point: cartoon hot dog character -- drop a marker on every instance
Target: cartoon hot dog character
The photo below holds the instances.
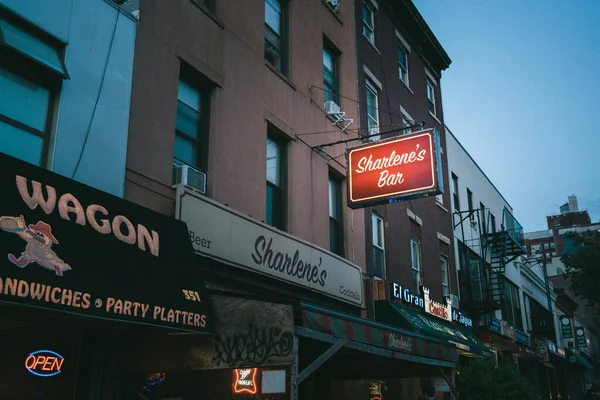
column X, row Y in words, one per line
column 39, row 240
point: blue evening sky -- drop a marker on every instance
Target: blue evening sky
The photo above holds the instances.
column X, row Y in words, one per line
column 523, row 97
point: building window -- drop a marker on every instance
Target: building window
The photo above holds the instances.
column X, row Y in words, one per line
column 511, row 305
column 191, row 127
column 445, row 276
column 378, row 246
column 276, row 196
column 31, row 72
column 336, row 226
column 527, row 303
column 455, row 193
column 431, row 96
column 483, row 218
column 552, row 245
column 493, row 223
column 407, row 121
column 403, row 63
column 548, row 258
column 470, row 204
column 331, row 74
column 415, row 257
column 368, row 19
column 276, row 39
column 372, row 111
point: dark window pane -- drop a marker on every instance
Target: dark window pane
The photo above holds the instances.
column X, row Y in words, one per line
column 185, row 150
column 20, row 144
column 330, row 78
column 187, row 120
column 273, row 48
column 274, row 206
column 23, row 101
column 378, row 262
column 335, row 237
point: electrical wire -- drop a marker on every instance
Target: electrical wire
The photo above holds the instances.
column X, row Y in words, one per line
column 357, row 101
column 87, row 134
column 353, row 130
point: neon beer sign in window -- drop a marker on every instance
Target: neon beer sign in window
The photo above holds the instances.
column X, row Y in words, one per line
column 245, row 380
column 44, row 363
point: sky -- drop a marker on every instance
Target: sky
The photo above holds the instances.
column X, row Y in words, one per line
column 522, row 95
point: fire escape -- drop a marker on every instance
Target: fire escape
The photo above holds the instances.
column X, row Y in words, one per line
column 484, row 253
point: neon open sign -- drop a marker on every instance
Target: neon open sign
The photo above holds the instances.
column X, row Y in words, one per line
column 44, row 363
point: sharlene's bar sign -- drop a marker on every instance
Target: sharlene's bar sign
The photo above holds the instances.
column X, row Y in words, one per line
column 390, row 170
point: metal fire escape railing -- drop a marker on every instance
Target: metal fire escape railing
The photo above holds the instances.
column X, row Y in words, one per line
column 484, row 257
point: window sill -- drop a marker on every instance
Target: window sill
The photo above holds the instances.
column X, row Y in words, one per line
column 406, row 84
column 434, row 117
column 372, row 44
column 440, row 205
column 210, row 13
column 335, row 14
column 282, row 76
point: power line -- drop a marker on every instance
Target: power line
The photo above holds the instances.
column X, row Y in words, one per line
column 420, row 124
column 356, row 101
column 87, row 133
column 353, row 130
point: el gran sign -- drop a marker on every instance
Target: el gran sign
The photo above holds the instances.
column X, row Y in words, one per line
column 404, row 167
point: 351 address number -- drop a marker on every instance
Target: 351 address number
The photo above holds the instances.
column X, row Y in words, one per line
column 191, row 295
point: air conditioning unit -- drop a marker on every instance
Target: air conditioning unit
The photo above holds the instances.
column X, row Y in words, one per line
column 454, row 300
column 190, row 177
column 332, row 108
column 334, row 4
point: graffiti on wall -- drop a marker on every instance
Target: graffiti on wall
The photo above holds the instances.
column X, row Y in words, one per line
column 248, row 333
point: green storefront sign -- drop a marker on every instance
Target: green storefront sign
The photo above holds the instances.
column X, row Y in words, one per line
column 565, row 327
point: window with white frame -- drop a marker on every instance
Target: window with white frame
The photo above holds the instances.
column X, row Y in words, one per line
column 431, row 96
column 372, row 110
column 403, row 63
column 445, row 275
column 407, row 121
column 378, row 246
column 368, row 21
column 276, row 37
column 415, row 256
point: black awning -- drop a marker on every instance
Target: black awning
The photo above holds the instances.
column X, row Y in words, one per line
column 69, row 247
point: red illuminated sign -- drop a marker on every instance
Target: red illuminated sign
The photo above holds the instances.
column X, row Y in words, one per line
column 244, row 380
column 402, row 167
column 375, row 390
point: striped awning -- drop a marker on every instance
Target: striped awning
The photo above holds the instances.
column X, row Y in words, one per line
column 369, row 336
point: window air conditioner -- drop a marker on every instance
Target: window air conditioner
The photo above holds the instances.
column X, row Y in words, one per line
column 332, row 108
column 334, row 4
column 454, row 300
column 190, row 177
